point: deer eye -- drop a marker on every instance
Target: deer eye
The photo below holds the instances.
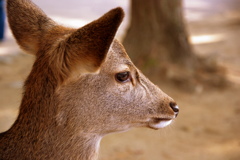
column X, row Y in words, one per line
column 123, row 76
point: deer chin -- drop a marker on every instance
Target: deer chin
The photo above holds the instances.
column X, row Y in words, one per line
column 158, row 123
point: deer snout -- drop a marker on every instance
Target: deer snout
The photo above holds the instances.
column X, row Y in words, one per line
column 175, row 108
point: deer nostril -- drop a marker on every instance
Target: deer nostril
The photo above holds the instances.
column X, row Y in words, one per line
column 174, row 107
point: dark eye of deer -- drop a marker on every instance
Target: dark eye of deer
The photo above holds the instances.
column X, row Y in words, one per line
column 123, row 77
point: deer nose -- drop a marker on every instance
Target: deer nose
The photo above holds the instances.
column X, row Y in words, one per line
column 175, row 108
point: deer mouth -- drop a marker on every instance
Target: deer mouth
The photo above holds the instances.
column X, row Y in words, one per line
column 157, row 123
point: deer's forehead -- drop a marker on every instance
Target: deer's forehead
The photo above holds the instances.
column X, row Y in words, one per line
column 117, row 57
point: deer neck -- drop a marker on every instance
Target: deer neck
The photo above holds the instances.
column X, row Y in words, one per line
column 52, row 140
column 55, row 144
column 39, row 126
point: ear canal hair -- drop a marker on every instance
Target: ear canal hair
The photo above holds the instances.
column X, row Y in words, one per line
column 28, row 23
column 88, row 46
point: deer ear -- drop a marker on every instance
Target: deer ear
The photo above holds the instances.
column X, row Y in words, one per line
column 88, row 46
column 28, row 23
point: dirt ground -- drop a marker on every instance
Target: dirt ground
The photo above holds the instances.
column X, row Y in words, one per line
column 207, row 127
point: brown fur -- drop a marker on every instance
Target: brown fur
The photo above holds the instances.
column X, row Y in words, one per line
column 71, row 98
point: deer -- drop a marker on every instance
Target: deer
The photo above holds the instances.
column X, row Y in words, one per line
column 82, row 87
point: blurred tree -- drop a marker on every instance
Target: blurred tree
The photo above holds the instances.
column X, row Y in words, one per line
column 157, row 42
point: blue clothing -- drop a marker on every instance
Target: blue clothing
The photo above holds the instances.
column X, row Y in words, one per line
column 2, row 20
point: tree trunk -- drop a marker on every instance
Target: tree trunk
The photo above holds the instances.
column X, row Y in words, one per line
column 157, row 34
column 157, row 42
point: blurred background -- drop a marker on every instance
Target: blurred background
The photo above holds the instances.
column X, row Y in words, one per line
column 190, row 48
